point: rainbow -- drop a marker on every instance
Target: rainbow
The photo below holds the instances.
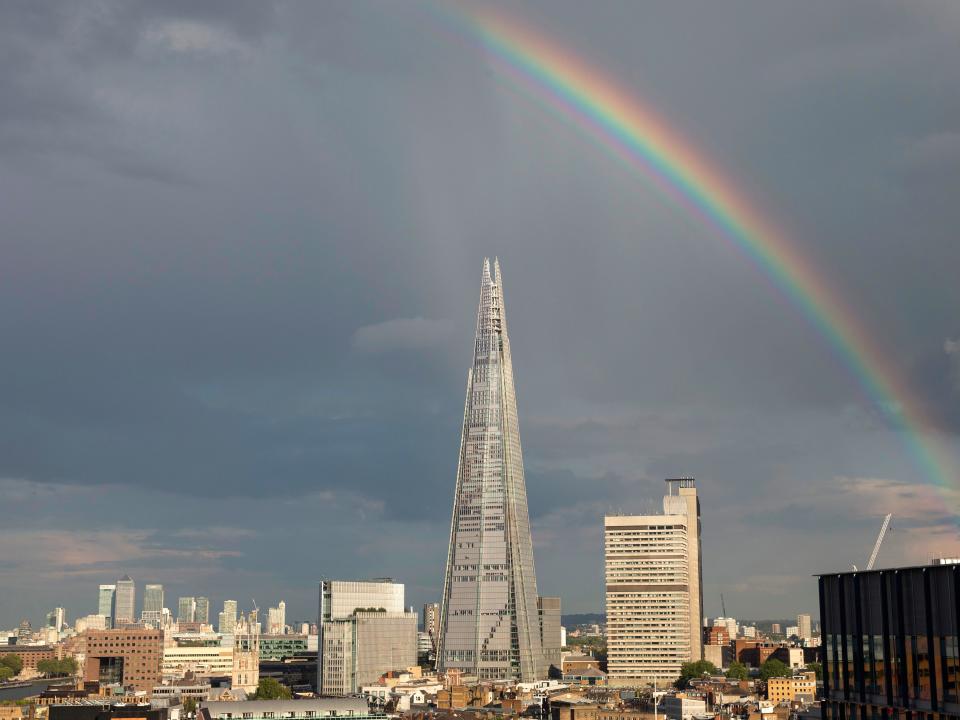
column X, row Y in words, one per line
column 644, row 142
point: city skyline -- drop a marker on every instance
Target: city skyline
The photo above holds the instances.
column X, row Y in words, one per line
column 231, row 297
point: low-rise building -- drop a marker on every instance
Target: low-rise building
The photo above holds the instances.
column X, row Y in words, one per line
column 203, row 660
column 306, row 709
column 799, row 688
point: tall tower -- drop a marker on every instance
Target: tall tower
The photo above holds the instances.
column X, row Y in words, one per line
column 489, row 621
column 125, row 602
column 654, row 589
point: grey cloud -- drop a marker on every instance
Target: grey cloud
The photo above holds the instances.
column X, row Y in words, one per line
column 242, row 245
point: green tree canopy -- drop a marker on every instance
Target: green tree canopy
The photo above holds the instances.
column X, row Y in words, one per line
column 12, row 661
column 66, row 666
column 190, row 705
column 270, row 689
column 691, row 670
column 817, row 668
column 773, row 668
column 5, row 673
column 737, row 671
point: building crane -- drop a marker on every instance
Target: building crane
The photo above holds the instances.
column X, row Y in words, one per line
column 723, row 605
column 876, row 546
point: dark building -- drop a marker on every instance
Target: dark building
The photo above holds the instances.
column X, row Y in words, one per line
column 100, row 711
column 890, row 644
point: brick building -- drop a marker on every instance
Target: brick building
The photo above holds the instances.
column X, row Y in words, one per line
column 127, row 657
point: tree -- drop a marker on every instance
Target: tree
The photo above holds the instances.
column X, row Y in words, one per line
column 737, row 671
column 189, row 705
column 817, row 668
column 270, row 689
column 5, row 673
column 773, row 668
column 691, row 670
column 12, row 661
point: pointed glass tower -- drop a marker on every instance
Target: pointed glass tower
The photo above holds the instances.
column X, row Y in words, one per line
column 489, row 618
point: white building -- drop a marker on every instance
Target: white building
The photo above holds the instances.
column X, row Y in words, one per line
column 203, row 661
column 364, row 632
column 804, row 627
column 653, row 590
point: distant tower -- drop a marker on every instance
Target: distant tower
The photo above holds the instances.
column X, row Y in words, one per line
column 152, row 605
column 186, row 609
column 105, row 603
column 228, row 618
column 489, row 615
column 202, row 614
column 125, row 604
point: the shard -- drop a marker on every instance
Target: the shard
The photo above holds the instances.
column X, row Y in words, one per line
column 490, row 623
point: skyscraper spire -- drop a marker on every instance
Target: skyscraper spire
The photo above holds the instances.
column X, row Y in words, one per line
column 489, row 616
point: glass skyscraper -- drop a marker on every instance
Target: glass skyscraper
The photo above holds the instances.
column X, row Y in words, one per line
column 125, row 602
column 489, row 616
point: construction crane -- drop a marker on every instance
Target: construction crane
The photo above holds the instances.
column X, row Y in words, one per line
column 723, row 605
column 876, row 546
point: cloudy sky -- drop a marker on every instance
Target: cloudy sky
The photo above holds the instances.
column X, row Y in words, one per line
column 241, row 254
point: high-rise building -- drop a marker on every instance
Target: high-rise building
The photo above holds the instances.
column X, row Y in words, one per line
column 227, row 621
column 57, row 618
column 364, row 632
column 186, row 610
column 202, row 614
column 125, row 604
column 277, row 619
column 152, row 613
column 890, row 647
column 653, row 585
column 431, row 622
column 105, row 602
column 804, row 627
column 489, row 618
column 775, row 629
column 550, row 630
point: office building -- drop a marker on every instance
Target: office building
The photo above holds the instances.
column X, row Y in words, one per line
column 227, row 621
column 277, row 619
column 804, row 627
column 202, row 611
column 550, row 641
column 364, row 632
column 431, row 622
column 186, row 610
column 890, row 643
column 152, row 613
column 278, row 647
column 775, row 629
column 202, row 661
column 489, row 618
column 105, row 603
column 653, row 590
column 57, row 619
column 130, row 658
column 125, row 603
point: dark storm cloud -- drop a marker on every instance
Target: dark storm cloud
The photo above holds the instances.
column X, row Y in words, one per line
column 242, row 246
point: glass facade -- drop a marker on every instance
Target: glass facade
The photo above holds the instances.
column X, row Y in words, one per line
column 890, row 643
column 489, row 617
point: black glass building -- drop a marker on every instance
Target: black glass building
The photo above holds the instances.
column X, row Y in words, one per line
column 890, row 643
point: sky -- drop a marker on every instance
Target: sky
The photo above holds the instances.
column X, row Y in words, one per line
column 242, row 245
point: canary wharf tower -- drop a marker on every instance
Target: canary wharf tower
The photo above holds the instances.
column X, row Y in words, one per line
column 490, row 621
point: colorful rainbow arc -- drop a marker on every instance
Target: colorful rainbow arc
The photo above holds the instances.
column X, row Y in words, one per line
column 646, row 144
